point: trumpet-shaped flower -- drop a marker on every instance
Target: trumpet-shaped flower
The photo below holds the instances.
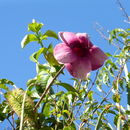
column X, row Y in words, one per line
column 78, row 54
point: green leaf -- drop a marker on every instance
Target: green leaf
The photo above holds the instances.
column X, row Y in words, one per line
column 2, row 114
column 50, row 33
column 127, row 41
column 31, row 82
column 34, row 94
column 35, row 26
column 128, row 29
column 48, row 53
column 117, row 32
column 50, row 48
column 51, row 59
column 127, row 48
column 6, row 81
column 127, row 112
column 3, row 83
column 116, row 98
column 2, row 117
column 41, row 83
column 126, row 126
column 90, row 95
column 112, row 112
column 4, row 87
column 72, row 127
column 46, row 128
column 15, row 100
column 34, row 57
column 99, row 122
column 49, row 80
column 116, row 119
column 42, row 69
column 46, row 110
column 109, row 55
column 27, row 39
column 67, row 87
column 66, row 111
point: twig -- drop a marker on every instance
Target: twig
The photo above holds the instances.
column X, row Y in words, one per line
column 88, row 92
column 11, row 123
column 92, row 84
column 13, row 120
column 47, row 88
column 105, row 37
column 100, row 32
column 104, row 99
column 116, row 78
column 123, row 10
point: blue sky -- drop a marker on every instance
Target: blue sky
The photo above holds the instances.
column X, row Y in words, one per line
column 57, row 15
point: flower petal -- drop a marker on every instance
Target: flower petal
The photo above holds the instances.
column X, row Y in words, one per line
column 69, row 38
column 80, row 68
column 84, row 39
column 97, row 57
column 64, row 54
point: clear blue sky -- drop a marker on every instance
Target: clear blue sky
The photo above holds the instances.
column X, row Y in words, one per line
column 57, row 15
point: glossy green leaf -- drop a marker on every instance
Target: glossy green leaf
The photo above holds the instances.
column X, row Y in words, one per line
column 50, row 48
column 6, row 81
column 126, row 125
column 70, row 127
column 34, row 57
column 46, row 110
column 90, row 95
column 116, row 119
column 116, row 98
column 67, row 87
column 115, row 33
column 2, row 114
column 49, row 33
column 27, row 39
column 31, row 82
column 66, row 111
column 48, row 53
column 42, row 69
column 4, row 87
column 46, row 128
column 51, row 59
column 112, row 112
column 127, row 112
column 41, row 82
column 127, row 48
column 34, row 94
column 3, row 83
column 35, row 26
column 108, row 54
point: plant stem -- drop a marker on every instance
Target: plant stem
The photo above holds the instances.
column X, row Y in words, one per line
column 47, row 88
column 11, row 124
column 93, row 83
column 128, row 89
column 22, row 112
column 39, row 40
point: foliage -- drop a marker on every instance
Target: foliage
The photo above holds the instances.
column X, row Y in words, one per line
column 87, row 104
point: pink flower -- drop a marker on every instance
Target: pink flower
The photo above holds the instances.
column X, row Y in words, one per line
column 78, row 54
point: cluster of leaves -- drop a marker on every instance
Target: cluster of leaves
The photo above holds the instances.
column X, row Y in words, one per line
column 45, row 105
column 115, row 76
